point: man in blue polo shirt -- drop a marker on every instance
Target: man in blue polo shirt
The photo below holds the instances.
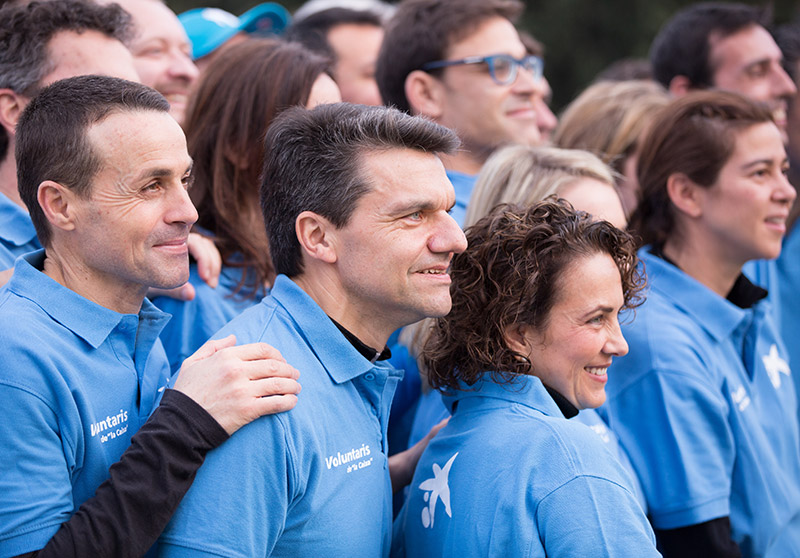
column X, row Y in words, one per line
column 356, row 203
column 103, row 169
column 462, row 64
column 41, row 42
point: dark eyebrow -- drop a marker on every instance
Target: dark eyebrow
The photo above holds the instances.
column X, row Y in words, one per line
column 757, row 162
column 411, row 207
column 161, row 172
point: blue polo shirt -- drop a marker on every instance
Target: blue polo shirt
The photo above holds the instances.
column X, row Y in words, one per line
column 463, row 185
column 705, row 404
column 314, row 480
column 510, row 476
column 77, row 380
column 17, row 235
column 431, row 410
column 195, row 321
column 788, row 282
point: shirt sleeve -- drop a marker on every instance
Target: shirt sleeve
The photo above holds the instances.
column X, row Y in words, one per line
column 238, row 504
column 594, row 516
column 131, row 508
column 674, row 426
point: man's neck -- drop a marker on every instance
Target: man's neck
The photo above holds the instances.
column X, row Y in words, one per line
column 369, row 329
column 79, row 278
column 8, row 179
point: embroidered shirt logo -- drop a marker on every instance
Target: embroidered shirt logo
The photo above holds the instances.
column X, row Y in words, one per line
column 601, row 430
column 775, row 366
column 435, row 489
column 740, row 398
column 110, row 427
column 352, row 457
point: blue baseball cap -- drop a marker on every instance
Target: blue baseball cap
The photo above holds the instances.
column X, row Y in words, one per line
column 209, row 28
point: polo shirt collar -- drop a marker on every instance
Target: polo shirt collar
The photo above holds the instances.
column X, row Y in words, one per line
column 524, row 390
column 337, row 355
column 717, row 315
column 16, row 226
column 88, row 320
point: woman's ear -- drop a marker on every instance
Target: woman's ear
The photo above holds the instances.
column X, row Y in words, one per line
column 517, row 338
column 686, row 195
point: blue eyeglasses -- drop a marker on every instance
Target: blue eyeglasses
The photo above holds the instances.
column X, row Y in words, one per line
column 503, row 68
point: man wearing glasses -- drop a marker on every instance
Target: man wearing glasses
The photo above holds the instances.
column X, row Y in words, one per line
column 462, row 64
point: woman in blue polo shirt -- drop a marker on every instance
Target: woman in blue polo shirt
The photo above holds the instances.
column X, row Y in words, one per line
column 532, row 331
column 705, row 401
column 241, row 92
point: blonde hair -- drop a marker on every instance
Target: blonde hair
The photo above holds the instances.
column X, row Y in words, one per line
column 609, row 117
column 525, row 175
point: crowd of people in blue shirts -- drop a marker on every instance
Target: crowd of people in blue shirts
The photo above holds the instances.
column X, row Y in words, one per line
column 516, row 334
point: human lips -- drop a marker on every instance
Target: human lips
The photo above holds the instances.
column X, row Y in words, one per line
column 176, row 245
column 527, row 112
column 435, row 272
column 777, row 222
column 598, row 372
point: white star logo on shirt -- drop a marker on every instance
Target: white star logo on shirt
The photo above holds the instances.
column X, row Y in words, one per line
column 437, row 488
column 775, row 366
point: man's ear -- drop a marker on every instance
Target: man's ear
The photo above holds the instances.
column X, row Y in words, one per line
column 516, row 338
column 11, row 106
column 58, row 204
column 315, row 234
column 685, row 194
column 680, row 86
column 425, row 94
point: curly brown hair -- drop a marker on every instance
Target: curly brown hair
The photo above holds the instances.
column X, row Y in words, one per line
column 510, row 274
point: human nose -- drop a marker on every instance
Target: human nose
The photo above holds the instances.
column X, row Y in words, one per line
column 448, row 238
column 181, row 208
column 615, row 343
column 182, row 66
column 783, row 86
column 525, row 80
column 784, row 192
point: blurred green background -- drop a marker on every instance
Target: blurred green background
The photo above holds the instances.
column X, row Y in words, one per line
column 581, row 37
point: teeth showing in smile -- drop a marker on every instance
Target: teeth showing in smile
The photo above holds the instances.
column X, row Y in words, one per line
column 434, row 271
column 596, row 371
column 777, row 220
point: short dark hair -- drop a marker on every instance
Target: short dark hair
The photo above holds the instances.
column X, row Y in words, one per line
column 233, row 105
column 26, row 30
column 312, row 31
column 51, row 134
column 313, row 163
column 682, row 47
column 510, row 275
column 695, row 136
column 421, row 31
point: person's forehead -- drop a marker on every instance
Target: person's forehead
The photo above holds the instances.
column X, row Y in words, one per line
column 154, row 20
column 131, row 141
column 494, row 35
column 398, row 173
column 743, row 47
column 90, row 52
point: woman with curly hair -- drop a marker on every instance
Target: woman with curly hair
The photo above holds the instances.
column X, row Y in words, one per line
column 531, row 333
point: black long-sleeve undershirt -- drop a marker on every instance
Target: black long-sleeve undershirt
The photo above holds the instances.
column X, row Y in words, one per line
column 130, row 509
